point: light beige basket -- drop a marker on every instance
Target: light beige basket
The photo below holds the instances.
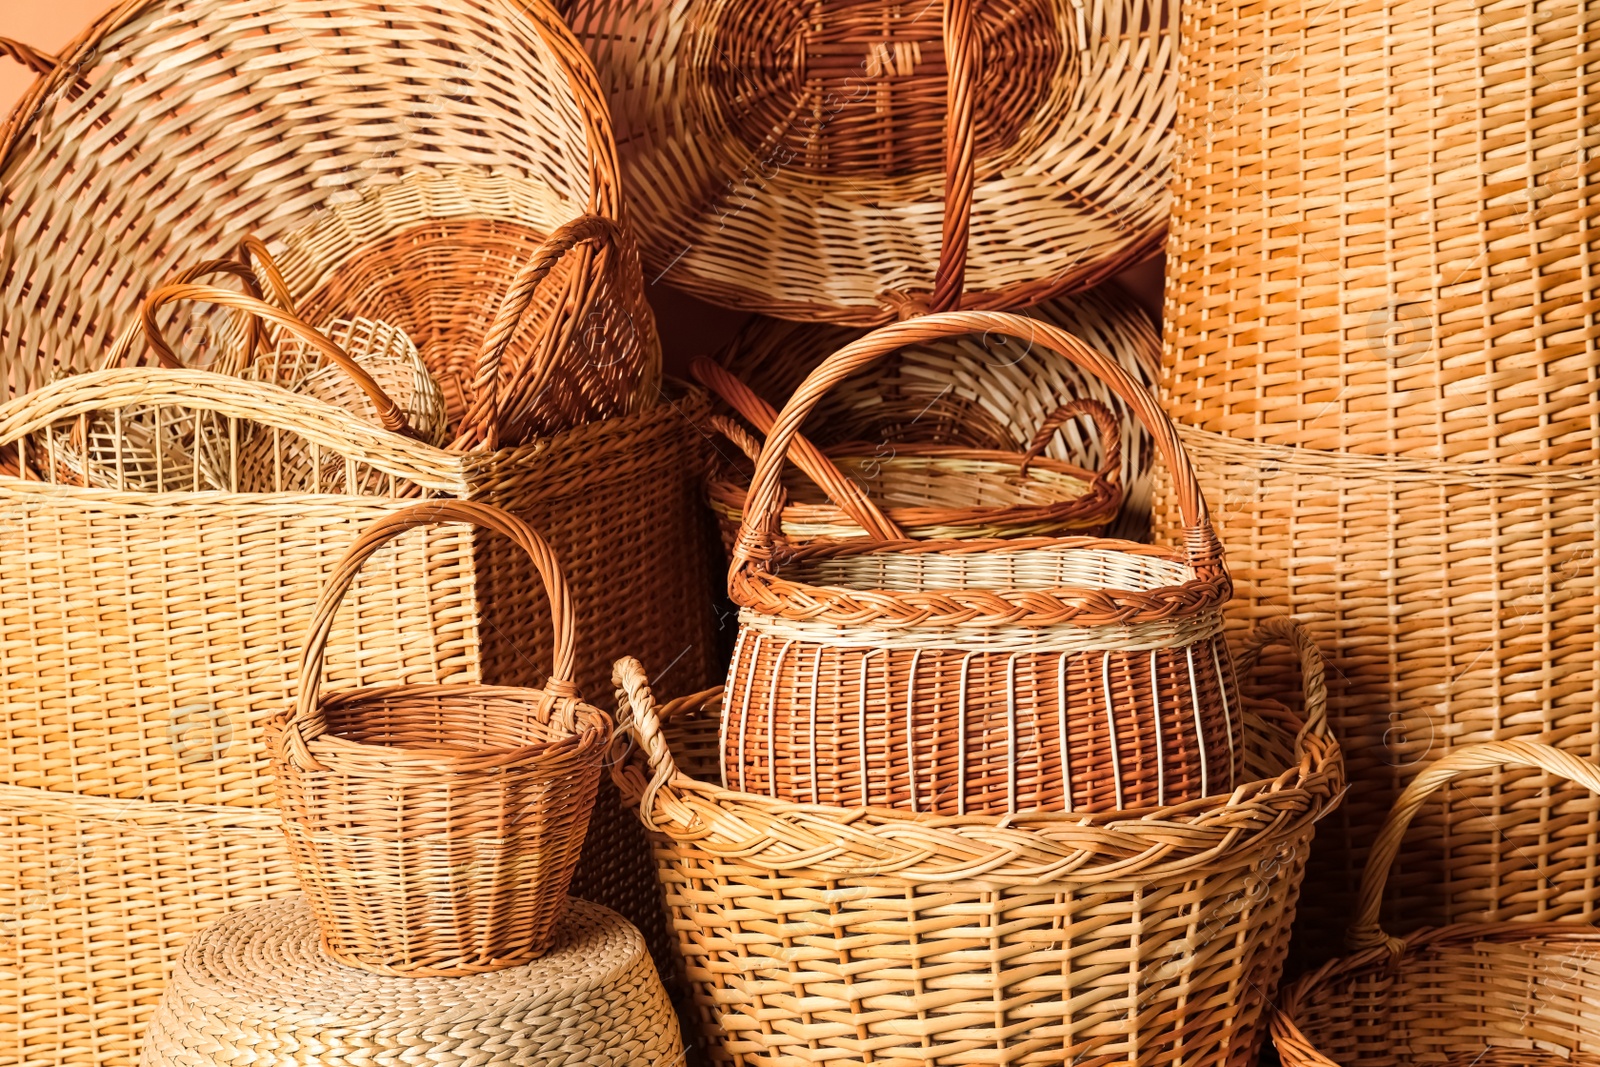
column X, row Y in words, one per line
column 255, row 988
column 867, row 936
column 849, row 161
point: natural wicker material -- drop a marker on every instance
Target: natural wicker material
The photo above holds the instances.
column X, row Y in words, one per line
column 195, row 607
column 1493, row 993
column 973, row 392
column 435, row 828
column 978, row 675
column 851, row 936
column 1458, row 603
column 1384, row 228
column 170, row 126
column 255, row 989
column 793, row 157
column 923, row 491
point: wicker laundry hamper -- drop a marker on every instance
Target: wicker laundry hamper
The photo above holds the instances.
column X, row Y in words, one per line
column 923, row 491
column 156, row 632
column 854, row 936
column 978, row 675
column 1511, row 994
column 257, row 988
column 1378, row 349
column 849, row 161
column 982, row 392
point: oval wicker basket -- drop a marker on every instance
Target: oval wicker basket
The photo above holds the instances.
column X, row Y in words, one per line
column 1382, row 230
column 1151, row 936
column 435, row 828
column 978, row 675
column 922, row 491
column 973, row 392
column 793, row 157
column 1510, row 994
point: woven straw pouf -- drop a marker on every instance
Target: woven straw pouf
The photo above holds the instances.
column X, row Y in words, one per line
column 256, row 988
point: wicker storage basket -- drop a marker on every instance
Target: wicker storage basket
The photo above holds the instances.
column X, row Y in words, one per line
column 154, row 632
column 978, row 675
column 793, row 157
column 435, row 828
column 1489, row 994
column 856, row 936
column 922, row 491
column 972, row 392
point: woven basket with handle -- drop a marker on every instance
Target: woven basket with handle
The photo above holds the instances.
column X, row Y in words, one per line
column 1152, row 937
column 435, row 828
column 1510, row 994
column 851, row 159
column 978, row 675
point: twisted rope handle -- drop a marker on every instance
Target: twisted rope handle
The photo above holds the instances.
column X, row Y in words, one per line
column 742, row 439
column 639, row 722
column 1104, row 420
column 35, row 60
column 306, row 724
column 481, row 425
column 389, row 413
column 1365, row 932
column 811, row 460
column 961, row 49
column 757, row 536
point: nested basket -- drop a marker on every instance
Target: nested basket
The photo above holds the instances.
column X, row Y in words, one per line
column 854, row 936
column 983, row 392
column 1508, row 994
column 922, row 491
column 851, row 160
column 978, row 675
column 436, row 828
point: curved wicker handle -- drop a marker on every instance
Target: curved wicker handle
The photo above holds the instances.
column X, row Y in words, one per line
column 481, row 424
column 1491, row 755
column 306, row 724
column 1313, row 668
column 637, row 719
column 1104, row 420
column 742, row 439
column 757, row 535
column 808, row 457
column 29, row 56
column 254, row 255
column 961, row 58
column 389, row 413
column 123, row 346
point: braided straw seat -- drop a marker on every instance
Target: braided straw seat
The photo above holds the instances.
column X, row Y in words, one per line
column 256, row 989
column 1152, row 936
column 848, row 160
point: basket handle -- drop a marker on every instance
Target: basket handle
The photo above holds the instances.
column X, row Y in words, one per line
column 638, row 720
column 1365, row 932
column 758, row 534
column 1105, row 422
column 306, row 724
column 808, row 457
column 1282, row 630
column 389, row 413
column 481, row 424
column 960, row 165
column 742, row 439
column 122, row 347
column 39, row 62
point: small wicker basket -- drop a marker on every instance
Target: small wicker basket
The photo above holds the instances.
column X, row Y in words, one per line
column 988, row 675
column 1510, row 994
column 436, row 828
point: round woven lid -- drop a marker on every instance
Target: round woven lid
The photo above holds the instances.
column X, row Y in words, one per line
column 789, row 156
column 256, row 987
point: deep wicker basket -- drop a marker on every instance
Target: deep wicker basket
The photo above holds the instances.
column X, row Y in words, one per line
column 978, row 676
column 1509, row 994
column 1152, row 937
column 436, row 828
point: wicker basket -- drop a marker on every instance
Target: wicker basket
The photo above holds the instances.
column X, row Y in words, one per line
column 435, row 828
column 971, row 392
column 921, row 491
column 1491, row 994
column 979, row 675
column 1382, row 223
column 793, row 157
column 857, row 936
column 139, row 802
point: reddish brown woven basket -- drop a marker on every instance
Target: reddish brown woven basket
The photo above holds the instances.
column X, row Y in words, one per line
column 985, row 675
column 436, row 827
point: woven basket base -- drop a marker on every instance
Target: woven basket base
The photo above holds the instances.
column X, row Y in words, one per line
column 256, row 988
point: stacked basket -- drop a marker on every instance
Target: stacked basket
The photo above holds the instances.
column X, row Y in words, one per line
column 1381, row 354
